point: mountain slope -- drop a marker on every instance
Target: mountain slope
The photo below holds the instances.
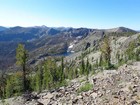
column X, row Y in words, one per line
column 111, row 87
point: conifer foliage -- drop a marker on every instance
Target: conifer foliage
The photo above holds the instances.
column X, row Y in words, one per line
column 21, row 57
column 106, row 52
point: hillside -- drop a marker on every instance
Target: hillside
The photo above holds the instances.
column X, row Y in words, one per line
column 110, row 87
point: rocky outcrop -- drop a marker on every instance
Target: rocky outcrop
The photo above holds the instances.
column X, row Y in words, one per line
column 110, row 87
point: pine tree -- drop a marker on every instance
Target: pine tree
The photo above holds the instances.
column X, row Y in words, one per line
column 137, row 55
column 82, row 65
column 101, row 61
column 9, row 87
column 76, row 72
column 2, row 85
column 87, row 68
column 17, row 83
column 21, row 57
column 62, row 70
column 130, row 50
column 47, row 78
column 106, row 51
column 33, row 82
column 39, row 79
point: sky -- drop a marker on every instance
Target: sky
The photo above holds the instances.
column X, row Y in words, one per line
column 71, row 13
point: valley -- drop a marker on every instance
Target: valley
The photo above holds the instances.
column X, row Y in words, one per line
column 41, row 41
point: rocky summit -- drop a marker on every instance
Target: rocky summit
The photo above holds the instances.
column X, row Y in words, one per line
column 108, row 87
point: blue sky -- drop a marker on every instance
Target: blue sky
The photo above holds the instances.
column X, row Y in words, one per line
column 71, row 13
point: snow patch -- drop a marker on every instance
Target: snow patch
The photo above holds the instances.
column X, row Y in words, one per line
column 71, row 46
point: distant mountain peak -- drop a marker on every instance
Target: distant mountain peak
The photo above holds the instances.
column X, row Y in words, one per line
column 120, row 29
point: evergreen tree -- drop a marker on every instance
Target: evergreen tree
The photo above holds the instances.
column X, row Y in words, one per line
column 62, row 70
column 47, row 78
column 33, row 82
column 21, row 57
column 76, row 72
column 2, row 85
column 17, row 83
column 82, row 65
column 9, row 87
column 87, row 68
column 137, row 55
column 130, row 50
column 39, row 77
column 106, row 51
column 101, row 61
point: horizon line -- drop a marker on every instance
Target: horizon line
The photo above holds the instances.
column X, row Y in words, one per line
column 63, row 27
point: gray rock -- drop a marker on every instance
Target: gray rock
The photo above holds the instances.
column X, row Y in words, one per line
column 44, row 101
column 94, row 95
column 48, row 96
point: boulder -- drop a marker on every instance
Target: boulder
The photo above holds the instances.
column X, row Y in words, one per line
column 94, row 95
column 48, row 96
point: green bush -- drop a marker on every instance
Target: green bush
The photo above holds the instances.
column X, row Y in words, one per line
column 85, row 87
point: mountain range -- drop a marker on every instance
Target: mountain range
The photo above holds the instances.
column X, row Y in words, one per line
column 42, row 41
